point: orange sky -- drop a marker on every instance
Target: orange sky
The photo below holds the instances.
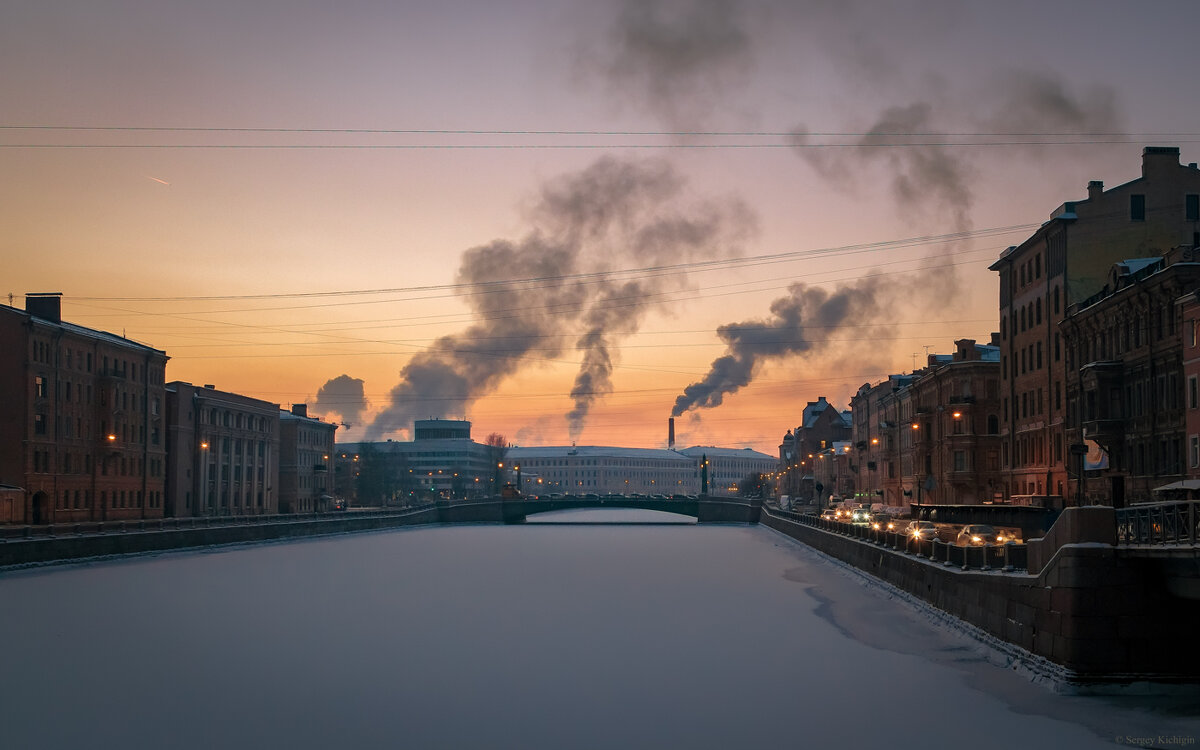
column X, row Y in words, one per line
column 134, row 226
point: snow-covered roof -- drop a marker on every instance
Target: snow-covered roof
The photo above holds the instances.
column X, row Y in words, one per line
column 714, row 452
column 595, row 451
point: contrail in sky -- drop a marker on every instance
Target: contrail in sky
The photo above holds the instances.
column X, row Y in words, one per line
column 164, row 182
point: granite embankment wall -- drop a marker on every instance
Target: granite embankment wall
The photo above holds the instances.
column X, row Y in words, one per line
column 73, row 542
column 1099, row 615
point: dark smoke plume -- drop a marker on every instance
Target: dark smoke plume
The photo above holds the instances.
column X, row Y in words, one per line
column 344, row 396
column 528, row 294
column 923, row 177
column 750, row 344
column 675, row 58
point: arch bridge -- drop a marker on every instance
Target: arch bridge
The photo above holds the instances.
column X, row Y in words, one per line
column 705, row 508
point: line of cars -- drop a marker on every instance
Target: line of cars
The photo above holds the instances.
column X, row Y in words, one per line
column 970, row 535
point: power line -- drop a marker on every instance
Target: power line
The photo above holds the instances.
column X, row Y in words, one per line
column 559, row 146
column 506, row 285
column 589, row 132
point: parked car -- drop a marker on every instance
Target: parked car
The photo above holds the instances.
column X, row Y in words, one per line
column 979, row 534
column 921, row 530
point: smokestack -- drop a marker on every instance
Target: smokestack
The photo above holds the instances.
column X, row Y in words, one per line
column 671, row 434
column 300, row 410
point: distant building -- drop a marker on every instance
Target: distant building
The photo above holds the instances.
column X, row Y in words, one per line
column 821, row 425
column 223, row 453
column 441, row 458
column 306, row 450
column 728, row 467
column 1065, row 262
column 82, row 429
column 606, row 470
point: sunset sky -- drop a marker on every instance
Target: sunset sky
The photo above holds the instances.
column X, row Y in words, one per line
column 479, row 209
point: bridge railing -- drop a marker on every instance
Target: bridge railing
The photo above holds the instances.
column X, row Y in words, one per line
column 1159, row 523
column 1006, row 557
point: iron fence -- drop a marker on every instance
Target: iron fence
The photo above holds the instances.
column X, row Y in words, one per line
column 1159, row 524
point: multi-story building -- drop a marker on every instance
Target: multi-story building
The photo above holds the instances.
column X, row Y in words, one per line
column 932, row 436
column 729, row 467
column 305, row 455
column 955, row 428
column 82, row 431
column 441, row 459
column 1065, row 262
column 1126, row 392
column 833, row 474
column 876, row 437
column 1189, row 315
column 821, row 425
column 607, row 470
column 223, row 453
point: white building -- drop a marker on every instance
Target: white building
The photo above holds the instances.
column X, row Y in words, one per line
column 605, row 470
column 729, row 466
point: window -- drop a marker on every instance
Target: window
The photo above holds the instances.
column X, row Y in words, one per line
column 1137, row 207
column 1195, row 451
column 1191, row 207
column 39, row 424
column 960, row 460
column 39, row 386
column 1192, row 392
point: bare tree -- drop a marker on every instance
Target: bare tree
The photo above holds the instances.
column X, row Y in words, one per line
column 498, row 446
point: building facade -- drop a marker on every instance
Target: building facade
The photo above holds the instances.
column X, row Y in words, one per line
column 601, row 470
column 306, row 450
column 1127, row 387
column 821, row 425
column 932, row 436
column 729, row 467
column 82, row 429
column 1065, row 262
column 223, row 453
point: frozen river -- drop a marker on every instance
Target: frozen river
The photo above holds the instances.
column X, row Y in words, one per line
column 536, row 636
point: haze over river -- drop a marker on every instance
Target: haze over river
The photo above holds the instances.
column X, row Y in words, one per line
column 543, row 635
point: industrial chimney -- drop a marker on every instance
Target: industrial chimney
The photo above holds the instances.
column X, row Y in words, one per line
column 671, row 434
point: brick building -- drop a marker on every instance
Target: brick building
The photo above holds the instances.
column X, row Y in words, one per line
column 1126, row 387
column 1065, row 262
column 876, row 415
column 821, row 425
column 82, row 432
column 1189, row 316
column 223, row 453
column 305, row 455
column 932, row 436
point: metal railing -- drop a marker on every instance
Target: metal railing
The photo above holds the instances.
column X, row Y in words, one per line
column 1159, row 523
column 1005, row 557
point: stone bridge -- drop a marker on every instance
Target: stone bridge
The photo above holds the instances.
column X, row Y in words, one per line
column 705, row 509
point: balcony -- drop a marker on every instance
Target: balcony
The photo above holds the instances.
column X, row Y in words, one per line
column 320, row 468
column 1109, row 433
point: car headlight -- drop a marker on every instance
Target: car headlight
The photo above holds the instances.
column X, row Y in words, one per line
column 976, row 539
